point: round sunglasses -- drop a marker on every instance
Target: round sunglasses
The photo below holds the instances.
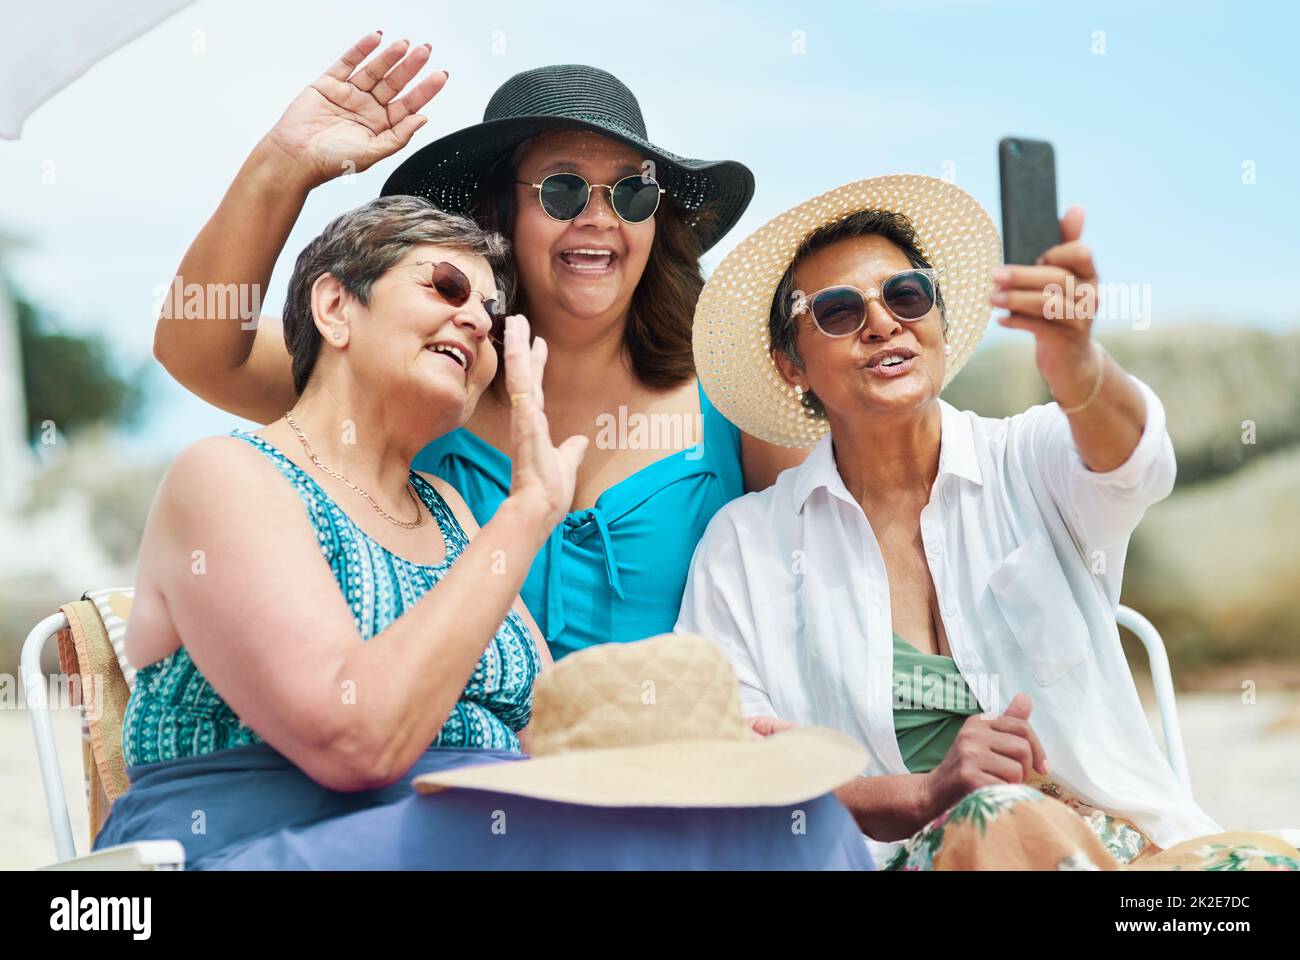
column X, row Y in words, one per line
column 841, row 310
column 565, row 195
column 453, row 286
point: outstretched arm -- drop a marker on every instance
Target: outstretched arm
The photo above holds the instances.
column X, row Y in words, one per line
column 1103, row 451
column 210, row 335
column 1056, row 301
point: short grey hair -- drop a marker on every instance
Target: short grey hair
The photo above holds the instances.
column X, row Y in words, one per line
column 362, row 245
column 897, row 228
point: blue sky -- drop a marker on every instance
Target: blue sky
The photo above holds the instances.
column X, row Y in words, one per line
column 1151, row 135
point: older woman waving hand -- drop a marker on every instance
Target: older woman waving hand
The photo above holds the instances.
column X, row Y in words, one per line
column 393, row 298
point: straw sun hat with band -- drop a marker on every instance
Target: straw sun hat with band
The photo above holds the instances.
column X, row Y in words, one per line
column 451, row 171
column 731, row 336
column 657, row 723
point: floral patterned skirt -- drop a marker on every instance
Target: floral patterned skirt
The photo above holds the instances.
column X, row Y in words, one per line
column 1040, row 827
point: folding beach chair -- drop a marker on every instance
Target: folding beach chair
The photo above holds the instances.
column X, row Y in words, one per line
column 90, row 632
column 1163, row 682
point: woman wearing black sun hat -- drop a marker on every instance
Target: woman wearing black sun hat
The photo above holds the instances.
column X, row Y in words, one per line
column 606, row 229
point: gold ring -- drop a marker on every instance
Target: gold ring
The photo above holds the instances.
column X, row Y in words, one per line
column 516, row 398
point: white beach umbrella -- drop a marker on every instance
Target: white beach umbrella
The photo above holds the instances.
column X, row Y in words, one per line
column 33, row 69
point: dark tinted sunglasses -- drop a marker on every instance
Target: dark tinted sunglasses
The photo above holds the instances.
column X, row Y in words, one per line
column 841, row 311
column 565, row 195
column 453, row 286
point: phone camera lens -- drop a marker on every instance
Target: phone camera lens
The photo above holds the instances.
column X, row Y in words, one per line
column 1013, row 148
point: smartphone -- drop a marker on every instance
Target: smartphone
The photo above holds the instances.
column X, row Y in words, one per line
column 1029, row 222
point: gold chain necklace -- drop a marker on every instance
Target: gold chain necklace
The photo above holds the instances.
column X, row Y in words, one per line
column 404, row 524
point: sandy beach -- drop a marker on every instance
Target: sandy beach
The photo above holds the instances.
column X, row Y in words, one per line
column 1243, row 760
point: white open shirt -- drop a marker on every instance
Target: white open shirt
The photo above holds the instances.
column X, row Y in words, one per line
column 790, row 581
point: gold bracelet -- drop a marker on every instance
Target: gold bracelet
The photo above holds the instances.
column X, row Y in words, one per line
column 1100, row 352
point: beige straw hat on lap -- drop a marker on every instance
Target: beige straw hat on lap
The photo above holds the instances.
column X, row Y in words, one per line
column 732, row 342
column 657, row 723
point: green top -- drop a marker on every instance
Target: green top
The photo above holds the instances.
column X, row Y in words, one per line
column 931, row 702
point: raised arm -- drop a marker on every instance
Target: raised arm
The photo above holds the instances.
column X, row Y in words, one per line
column 1102, row 450
column 1056, row 301
column 348, row 119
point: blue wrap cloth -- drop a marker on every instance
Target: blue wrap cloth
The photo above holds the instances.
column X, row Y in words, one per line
column 250, row 808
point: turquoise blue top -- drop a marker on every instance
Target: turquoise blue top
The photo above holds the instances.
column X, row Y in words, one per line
column 616, row 571
column 173, row 711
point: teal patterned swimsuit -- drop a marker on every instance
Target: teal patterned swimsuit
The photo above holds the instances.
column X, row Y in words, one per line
column 173, row 711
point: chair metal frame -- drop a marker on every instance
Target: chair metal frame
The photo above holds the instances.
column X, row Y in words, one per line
column 1163, row 682
column 144, row 855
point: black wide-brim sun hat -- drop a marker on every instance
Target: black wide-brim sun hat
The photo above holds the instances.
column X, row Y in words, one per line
column 449, row 171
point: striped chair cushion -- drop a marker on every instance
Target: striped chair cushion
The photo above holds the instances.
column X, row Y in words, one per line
column 114, row 606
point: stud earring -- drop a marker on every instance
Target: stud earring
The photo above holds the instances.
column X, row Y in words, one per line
column 947, row 349
column 336, row 335
column 798, row 390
